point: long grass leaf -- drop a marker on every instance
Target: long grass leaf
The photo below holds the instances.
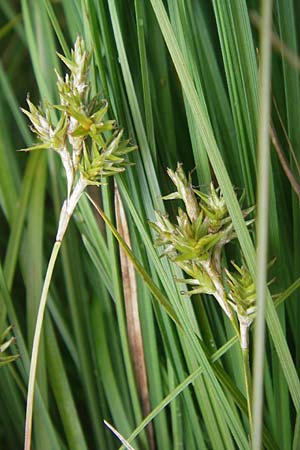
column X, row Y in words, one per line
column 228, row 192
column 262, row 221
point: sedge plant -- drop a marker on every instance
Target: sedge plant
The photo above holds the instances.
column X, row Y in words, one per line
column 183, row 76
column 91, row 149
column 195, row 243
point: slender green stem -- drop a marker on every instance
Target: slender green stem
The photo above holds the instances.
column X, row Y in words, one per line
column 262, row 220
column 248, row 385
column 243, row 334
column 64, row 219
column 36, row 342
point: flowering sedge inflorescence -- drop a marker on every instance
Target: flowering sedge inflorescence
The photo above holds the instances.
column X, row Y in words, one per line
column 90, row 146
column 195, row 244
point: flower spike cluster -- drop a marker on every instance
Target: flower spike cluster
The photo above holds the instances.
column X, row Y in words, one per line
column 90, row 146
column 242, row 298
column 195, row 243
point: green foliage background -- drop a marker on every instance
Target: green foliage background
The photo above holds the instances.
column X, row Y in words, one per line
column 181, row 77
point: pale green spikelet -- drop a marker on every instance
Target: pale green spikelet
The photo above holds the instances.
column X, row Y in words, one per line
column 242, row 298
column 195, row 241
column 242, row 295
